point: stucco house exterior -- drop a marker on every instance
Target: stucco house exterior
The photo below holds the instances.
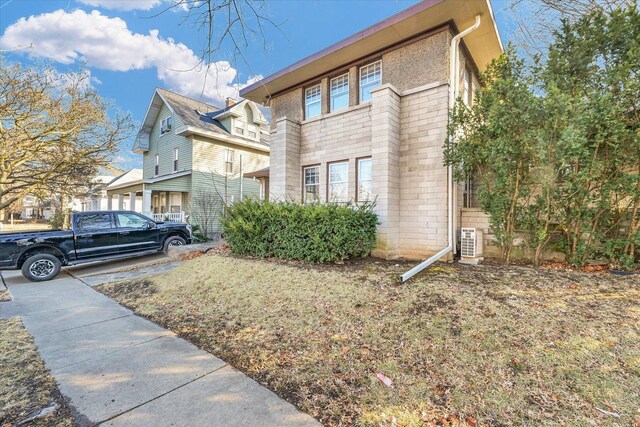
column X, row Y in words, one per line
column 195, row 156
column 365, row 120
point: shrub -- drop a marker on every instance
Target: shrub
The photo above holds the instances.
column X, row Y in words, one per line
column 313, row 233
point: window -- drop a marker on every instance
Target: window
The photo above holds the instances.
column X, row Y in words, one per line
column 129, row 220
column 365, row 187
column 312, row 101
column 370, row 78
column 239, row 127
column 338, row 182
column 156, row 170
column 175, row 202
column 252, row 132
column 228, row 161
column 99, row 221
column 467, row 92
column 165, row 125
column 311, row 184
column 175, row 160
column 340, row 92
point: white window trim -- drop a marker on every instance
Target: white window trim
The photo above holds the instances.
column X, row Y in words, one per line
column 319, row 101
column 359, row 180
column 343, row 91
column 156, row 167
column 228, row 159
column 329, row 183
column 255, row 130
column 243, row 126
column 163, row 123
column 360, row 78
column 304, row 183
column 176, row 159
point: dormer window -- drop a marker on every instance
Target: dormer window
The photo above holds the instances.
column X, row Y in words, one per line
column 238, row 127
column 252, row 132
column 165, row 125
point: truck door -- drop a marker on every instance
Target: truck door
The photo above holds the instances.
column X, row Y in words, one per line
column 136, row 232
column 95, row 235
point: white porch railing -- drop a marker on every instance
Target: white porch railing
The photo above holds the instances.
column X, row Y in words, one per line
column 167, row 216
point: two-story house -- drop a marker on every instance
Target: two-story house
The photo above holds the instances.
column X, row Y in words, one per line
column 365, row 119
column 195, row 156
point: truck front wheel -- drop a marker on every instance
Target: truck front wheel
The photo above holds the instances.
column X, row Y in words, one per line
column 41, row 267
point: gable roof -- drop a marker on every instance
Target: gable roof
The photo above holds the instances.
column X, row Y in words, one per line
column 196, row 116
column 484, row 44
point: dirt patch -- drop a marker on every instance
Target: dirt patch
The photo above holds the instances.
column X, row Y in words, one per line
column 4, row 295
column 27, row 389
column 463, row 345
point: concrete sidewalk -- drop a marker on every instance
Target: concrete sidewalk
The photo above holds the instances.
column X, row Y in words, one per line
column 121, row 370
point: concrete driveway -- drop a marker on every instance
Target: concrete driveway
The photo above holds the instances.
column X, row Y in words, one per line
column 97, row 273
column 119, row 369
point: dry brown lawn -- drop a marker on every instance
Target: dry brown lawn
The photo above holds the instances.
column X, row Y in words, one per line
column 26, row 386
column 485, row 346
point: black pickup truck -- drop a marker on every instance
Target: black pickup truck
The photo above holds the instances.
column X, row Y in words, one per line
column 94, row 236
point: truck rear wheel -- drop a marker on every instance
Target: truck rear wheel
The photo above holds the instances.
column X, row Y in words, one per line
column 41, row 267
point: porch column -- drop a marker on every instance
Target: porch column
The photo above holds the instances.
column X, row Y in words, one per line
column 110, row 202
column 120, row 202
column 132, row 201
column 146, row 202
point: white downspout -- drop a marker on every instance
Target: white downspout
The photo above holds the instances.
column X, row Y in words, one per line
column 453, row 94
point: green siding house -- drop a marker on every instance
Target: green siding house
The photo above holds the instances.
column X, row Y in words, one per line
column 198, row 158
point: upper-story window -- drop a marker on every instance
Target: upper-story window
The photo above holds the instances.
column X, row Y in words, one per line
column 156, row 169
column 312, row 101
column 370, row 78
column 252, row 132
column 340, row 92
column 338, row 182
column 175, row 160
column 165, row 125
column 238, row 127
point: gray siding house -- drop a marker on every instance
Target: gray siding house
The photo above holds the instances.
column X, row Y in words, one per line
column 366, row 119
column 195, row 156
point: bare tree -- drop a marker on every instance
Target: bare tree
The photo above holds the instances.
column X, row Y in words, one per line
column 56, row 132
column 538, row 19
column 226, row 24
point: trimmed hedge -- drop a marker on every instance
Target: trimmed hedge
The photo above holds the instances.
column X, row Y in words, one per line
column 312, row 232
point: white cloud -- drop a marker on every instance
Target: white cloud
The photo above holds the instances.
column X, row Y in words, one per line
column 123, row 4
column 107, row 43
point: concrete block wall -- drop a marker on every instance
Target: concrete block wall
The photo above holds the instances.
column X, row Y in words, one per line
column 285, row 167
column 423, row 186
column 385, row 150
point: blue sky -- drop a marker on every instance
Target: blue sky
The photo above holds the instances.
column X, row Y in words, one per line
column 129, row 50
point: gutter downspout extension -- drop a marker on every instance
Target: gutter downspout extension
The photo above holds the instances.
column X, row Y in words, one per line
column 453, row 93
